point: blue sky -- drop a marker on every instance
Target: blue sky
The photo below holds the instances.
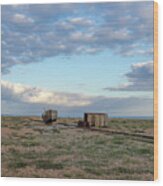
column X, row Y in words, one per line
column 77, row 58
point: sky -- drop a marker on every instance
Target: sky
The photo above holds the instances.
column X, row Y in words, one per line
column 76, row 58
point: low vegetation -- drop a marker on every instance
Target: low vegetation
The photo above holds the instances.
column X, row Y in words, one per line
column 32, row 149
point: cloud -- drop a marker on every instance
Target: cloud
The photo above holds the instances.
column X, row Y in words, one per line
column 34, row 95
column 32, row 33
column 80, row 21
column 22, row 19
column 121, row 106
column 140, row 78
column 18, row 99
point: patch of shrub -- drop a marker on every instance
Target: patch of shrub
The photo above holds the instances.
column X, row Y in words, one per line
column 17, row 164
column 46, row 164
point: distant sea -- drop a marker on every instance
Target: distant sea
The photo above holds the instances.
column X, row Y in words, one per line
column 134, row 117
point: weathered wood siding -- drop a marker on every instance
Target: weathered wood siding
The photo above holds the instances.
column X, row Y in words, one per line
column 96, row 119
column 49, row 116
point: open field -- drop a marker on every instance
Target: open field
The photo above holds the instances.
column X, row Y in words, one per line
column 32, row 149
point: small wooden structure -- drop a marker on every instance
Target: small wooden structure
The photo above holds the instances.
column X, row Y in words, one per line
column 49, row 116
column 95, row 119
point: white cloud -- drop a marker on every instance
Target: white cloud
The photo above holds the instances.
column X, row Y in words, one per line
column 18, row 92
column 50, row 30
column 22, row 19
column 21, row 99
column 81, row 36
column 81, row 21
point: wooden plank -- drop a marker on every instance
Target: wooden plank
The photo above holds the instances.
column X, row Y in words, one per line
column 155, row 90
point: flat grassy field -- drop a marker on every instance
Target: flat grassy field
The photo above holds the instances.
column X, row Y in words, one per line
column 32, row 149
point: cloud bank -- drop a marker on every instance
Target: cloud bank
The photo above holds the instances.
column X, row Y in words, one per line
column 26, row 94
column 18, row 99
column 33, row 33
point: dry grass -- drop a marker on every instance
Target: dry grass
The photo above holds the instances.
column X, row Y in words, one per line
column 28, row 151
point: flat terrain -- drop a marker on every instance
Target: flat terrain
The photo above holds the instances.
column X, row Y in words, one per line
column 121, row 150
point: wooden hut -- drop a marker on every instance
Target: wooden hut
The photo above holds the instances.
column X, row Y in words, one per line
column 95, row 119
column 49, row 116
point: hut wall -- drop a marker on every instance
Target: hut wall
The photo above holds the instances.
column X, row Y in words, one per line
column 95, row 119
column 49, row 115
